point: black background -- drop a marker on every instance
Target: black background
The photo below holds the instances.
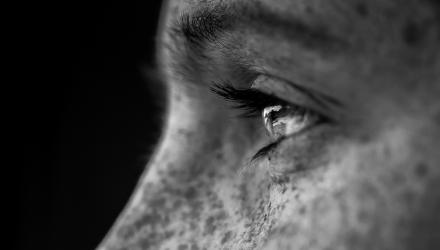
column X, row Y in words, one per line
column 90, row 117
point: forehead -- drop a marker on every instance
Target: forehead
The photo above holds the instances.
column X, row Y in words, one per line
column 335, row 11
column 361, row 22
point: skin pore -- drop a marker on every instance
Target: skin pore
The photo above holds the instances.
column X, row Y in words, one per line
column 367, row 178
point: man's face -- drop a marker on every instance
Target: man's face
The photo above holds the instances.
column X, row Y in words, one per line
column 338, row 143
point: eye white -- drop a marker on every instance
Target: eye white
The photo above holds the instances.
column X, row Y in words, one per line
column 284, row 120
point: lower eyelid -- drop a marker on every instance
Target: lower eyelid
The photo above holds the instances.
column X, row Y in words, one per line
column 298, row 146
column 266, row 149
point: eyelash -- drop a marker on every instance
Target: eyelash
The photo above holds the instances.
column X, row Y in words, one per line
column 250, row 101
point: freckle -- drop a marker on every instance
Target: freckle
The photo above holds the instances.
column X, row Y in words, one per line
column 308, row 10
column 211, row 174
column 421, row 170
column 226, row 237
column 363, row 216
column 362, row 9
column 219, row 156
column 125, row 232
column 408, row 197
column 302, row 210
column 412, row 33
column 210, row 225
column 169, row 234
column 190, row 193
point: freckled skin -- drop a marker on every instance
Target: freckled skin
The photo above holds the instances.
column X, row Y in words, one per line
column 370, row 182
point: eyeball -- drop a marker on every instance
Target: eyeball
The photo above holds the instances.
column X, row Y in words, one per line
column 285, row 120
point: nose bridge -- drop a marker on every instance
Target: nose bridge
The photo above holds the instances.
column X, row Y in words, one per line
column 161, row 191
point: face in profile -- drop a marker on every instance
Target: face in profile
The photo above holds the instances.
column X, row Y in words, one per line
column 293, row 124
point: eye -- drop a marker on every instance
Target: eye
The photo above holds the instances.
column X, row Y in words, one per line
column 284, row 120
column 280, row 118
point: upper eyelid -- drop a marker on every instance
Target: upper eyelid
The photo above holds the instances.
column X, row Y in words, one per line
column 299, row 95
column 273, row 90
column 252, row 101
column 252, row 96
column 229, row 92
column 325, row 101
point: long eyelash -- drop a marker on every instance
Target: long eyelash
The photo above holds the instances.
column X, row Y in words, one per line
column 251, row 101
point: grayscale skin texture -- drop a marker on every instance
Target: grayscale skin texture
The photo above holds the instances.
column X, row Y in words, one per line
column 370, row 181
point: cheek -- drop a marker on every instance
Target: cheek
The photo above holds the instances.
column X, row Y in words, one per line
column 304, row 151
column 378, row 195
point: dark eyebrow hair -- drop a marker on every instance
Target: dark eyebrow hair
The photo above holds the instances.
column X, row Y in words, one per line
column 204, row 25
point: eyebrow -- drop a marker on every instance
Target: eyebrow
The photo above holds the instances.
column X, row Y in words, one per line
column 205, row 25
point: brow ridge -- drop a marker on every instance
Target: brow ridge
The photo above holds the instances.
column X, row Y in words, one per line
column 205, row 25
